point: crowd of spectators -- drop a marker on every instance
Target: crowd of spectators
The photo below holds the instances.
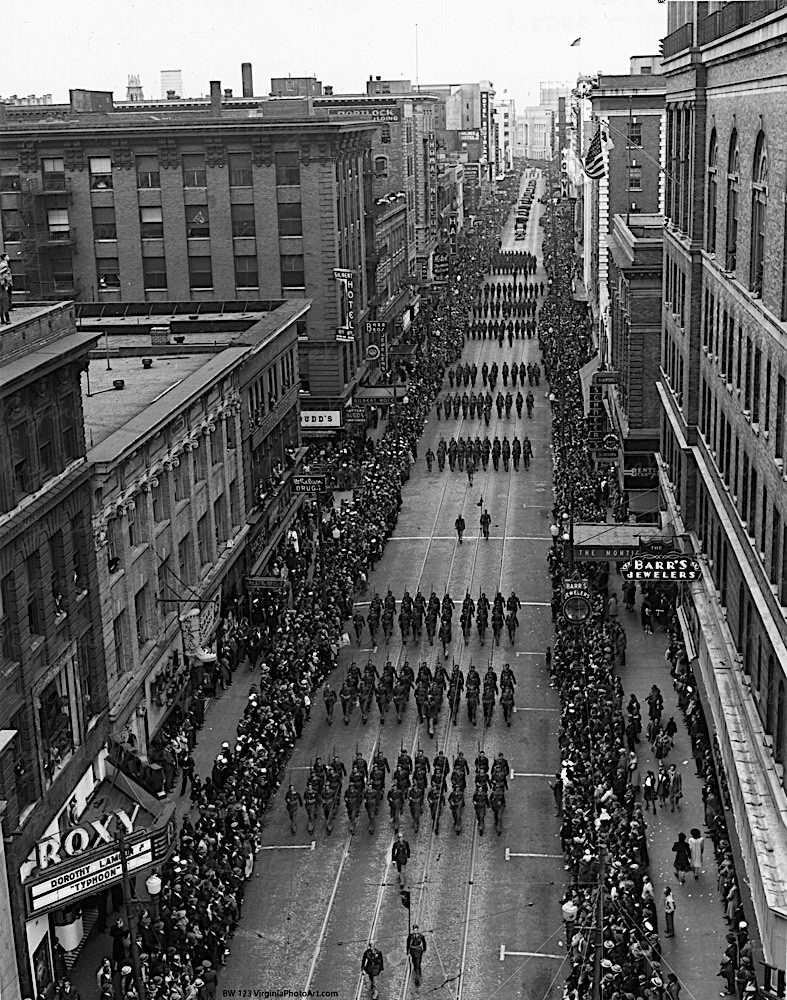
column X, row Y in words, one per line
column 598, row 789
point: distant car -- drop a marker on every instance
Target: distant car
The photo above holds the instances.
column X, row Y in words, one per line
column 519, row 236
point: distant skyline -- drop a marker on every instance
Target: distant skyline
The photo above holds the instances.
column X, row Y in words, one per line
column 514, row 43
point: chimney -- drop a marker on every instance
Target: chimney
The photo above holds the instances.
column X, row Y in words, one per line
column 215, row 96
column 328, row 91
column 248, row 86
column 171, row 95
column 228, row 91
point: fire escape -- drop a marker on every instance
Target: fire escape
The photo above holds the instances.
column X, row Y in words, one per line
column 47, row 244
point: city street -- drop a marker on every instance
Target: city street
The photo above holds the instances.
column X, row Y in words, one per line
column 315, row 902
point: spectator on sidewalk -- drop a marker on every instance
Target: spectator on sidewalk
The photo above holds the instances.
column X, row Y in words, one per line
column 675, row 787
column 697, row 849
column 669, row 912
column 682, row 853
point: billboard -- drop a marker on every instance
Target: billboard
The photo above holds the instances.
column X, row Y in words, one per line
column 345, row 279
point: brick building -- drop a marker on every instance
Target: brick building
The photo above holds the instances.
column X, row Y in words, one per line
column 212, row 199
column 723, row 392
column 192, row 463
column 53, row 720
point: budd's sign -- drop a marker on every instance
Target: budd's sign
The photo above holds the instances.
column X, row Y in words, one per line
column 671, row 568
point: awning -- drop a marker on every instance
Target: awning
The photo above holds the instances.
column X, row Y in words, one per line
column 586, row 373
column 616, row 541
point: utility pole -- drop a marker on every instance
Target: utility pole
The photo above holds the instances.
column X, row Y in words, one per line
column 131, row 921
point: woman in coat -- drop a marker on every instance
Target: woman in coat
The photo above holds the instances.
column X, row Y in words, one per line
column 697, row 849
column 682, row 858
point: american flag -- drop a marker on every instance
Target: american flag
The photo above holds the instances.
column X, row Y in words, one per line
column 594, row 159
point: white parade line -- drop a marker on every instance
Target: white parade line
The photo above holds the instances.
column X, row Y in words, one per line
column 513, row 854
column 523, row 709
column 529, row 774
column 530, row 652
column 470, row 538
column 504, row 952
column 289, row 847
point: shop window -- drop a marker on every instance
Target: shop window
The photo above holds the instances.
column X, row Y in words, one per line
column 56, row 722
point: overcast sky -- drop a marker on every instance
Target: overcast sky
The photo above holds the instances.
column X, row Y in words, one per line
column 51, row 45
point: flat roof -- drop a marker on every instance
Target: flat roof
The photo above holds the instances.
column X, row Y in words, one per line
column 107, row 409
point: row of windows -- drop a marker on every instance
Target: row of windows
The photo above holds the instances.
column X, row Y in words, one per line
column 200, row 270
column 151, row 222
column 739, row 361
column 193, row 169
column 274, row 382
column 41, row 445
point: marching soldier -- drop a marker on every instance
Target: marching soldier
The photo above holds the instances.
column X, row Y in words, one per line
column 400, row 855
column 311, row 801
column 358, row 623
column 500, row 770
column 456, row 801
column 416, row 802
column 371, row 801
column 293, row 800
column 497, row 801
column 372, row 965
column 396, row 804
column 436, row 799
column 416, row 949
column 485, row 521
column 480, row 804
column 329, row 697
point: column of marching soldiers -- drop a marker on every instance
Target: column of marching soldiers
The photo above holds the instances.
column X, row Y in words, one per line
column 366, row 786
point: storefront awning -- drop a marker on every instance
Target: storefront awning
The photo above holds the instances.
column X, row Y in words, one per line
column 616, row 541
column 586, row 373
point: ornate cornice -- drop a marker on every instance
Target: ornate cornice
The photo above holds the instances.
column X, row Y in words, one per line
column 122, row 155
column 28, row 157
column 215, row 153
column 262, row 152
column 73, row 156
column 168, row 157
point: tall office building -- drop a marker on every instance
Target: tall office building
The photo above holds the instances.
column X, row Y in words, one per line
column 172, row 82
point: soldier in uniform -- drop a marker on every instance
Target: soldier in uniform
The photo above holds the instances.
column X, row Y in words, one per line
column 396, row 804
column 371, row 801
column 507, row 704
column 416, row 949
column 456, row 801
column 293, row 800
column 488, row 704
column 372, row 965
column 497, row 800
column 500, row 770
column 436, row 799
column 400, row 855
column 358, row 623
column 480, row 804
column 416, row 802
column 311, row 801
column 329, row 697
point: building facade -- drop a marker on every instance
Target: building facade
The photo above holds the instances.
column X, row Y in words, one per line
column 723, row 394
column 54, row 694
column 505, row 113
column 210, row 199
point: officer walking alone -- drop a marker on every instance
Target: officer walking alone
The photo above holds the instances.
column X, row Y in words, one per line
column 416, row 949
column 400, row 855
column 293, row 800
column 459, row 524
column 372, row 965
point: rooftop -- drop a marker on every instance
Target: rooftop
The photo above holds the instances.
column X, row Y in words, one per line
column 40, row 338
column 108, row 409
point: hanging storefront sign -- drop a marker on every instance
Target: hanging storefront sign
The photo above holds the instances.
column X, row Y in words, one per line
column 309, row 484
column 576, row 601
column 345, row 279
column 485, row 124
column 470, row 135
column 254, row 584
column 355, row 415
column 672, row 567
column 198, row 626
column 321, row 418
column 440, row 267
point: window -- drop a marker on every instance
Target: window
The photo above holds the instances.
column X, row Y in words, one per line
column 635, row 178
column 179, row 476
column 148, row 175
column 45, row 431
column 200, row 461
column 381, row 166
column 56, row 579
column 292, row 273
column 290, row 220
column 778, row 443
column 35, row 616
column 203, row 541
column 216, row 451
column 243, row 220
column 194, row 175
column 197, row 222
column 100, row 172
column 246, row 272
column 151, row 222
column 229, row 430
column 234, row 504
column 154, row 272
column 776, row 541
column 160, row 498
column 764, row 521
column 766, row 406
column 240, row 169
column 752, row 522
column 87, row 676
column 7, row 645
column 131, row 521
column 141, row 615
column 78, row 550
column 747, row 381
column 20, row 452
column 634, row 134
column 713, row 155
column 104, row 227
column 288, row 169
column 218, row 521
column 9, row 182
column 71, row 441
column 56, row 722
column 385, row 133
column 755, row 403
column 57, row 220
column 54, row 171
column 200, row 272
column 13, row 226
column 108, row 272
column 733, row 162
column 186, row 558
column 118, row 632
column 759, row 204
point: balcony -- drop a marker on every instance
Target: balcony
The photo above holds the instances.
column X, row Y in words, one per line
column 680, row 39
column 733, row 16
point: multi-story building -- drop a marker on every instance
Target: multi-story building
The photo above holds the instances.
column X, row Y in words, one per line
column 505, row 113
column 171, row 83
column 537, row 123
column 192, row 424
column 212, row 199
column 54, row 694
column 723, row 390
column 295, row 86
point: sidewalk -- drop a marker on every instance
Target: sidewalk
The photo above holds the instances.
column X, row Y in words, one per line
column 221, row 721
column 696, row 950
